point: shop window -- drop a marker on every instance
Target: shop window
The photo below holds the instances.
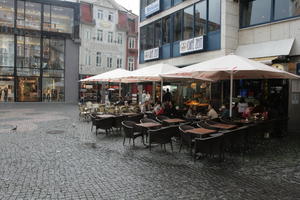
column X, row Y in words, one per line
column 177, row 26
column 214, row 18
column 28, row 15
column 286, row 8
column 200, row 18
column 166, row 29
column 28, row 89
column 256, row 12
column 53, row 89
column 7, row 13
column 98, row 59
column 157, row 32
column 6, row 89
column 188, row 23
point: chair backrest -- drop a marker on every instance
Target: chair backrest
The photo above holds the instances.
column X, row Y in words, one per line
column 128, row 127
column 104, row 123
column 162, row 117
column 209, row 145
column 117, row 123
column 161, row 136
column 186, row 137
column 202, row 124
column 147, row 120
column 136, row 118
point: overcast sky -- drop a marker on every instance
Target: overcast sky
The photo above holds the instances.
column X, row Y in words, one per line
column 133, row 5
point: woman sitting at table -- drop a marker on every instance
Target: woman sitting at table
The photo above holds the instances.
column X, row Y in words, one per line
column 224, row 111
column 191, row 112
column 212, row 114
column 158, row 109
column 248, row 111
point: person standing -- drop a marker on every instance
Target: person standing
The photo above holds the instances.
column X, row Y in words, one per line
column 148, row 97
column 167, row 96
column 0, row 93
column 5, row 94
column 143, row 97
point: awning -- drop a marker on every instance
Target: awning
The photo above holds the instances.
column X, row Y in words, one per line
column 266, row 49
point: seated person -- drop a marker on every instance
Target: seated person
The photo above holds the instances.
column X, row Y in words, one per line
column 158, row 109
column 191, row 112
column 248, row 111
column 212, row 114
column 224, row 111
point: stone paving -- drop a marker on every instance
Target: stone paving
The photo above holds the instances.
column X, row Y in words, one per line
column 52, row 156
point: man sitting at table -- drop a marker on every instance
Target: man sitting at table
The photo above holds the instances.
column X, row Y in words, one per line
column 212, row 114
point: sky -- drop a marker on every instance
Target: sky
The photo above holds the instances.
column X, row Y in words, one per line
column 133, row 5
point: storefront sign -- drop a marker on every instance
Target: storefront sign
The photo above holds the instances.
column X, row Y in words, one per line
column 151, row 54
column 190, row 45
column 152, row 8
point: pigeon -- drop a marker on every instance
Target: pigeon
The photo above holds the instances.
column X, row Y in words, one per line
column 14, row 129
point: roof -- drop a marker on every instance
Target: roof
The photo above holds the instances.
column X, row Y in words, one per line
column 266, row 49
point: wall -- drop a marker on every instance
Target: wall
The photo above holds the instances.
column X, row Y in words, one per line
column 71, row 71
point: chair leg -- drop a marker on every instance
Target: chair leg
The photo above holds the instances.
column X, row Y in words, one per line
column 129, row 140
column 133, row 142
column 171, row 146
column 124, row 141
column 92, row 128
column 165, row 147
column 180, row 147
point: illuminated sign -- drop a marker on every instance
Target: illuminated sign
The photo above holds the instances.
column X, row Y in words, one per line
column 151, row 54
column 152, row 8
column 190, row 45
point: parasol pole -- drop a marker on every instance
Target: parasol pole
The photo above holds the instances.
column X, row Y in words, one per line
column 120, row 85
column 161, row 89
column 231, row 91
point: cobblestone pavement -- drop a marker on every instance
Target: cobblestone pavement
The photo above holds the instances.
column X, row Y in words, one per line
column 52, row 156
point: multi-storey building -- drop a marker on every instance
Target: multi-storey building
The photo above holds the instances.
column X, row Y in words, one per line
column 105, row 29
column 182, row 33
column 39, row 44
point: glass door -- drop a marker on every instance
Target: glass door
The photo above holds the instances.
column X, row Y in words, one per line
column 28, row 89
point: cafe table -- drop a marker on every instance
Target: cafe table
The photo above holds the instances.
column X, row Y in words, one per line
column 105, row 116
column 149, row 125
column 174, row 121
column 129, row 114
column 223, row 126
column 200, row 131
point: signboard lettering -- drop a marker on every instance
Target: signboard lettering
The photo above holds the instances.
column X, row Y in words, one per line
column 151, row 54
column 190, row 45
column 152, row 8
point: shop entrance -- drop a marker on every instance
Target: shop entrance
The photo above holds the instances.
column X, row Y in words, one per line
column 28, row 89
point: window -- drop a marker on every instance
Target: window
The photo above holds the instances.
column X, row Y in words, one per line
column 110, row 37
column 200, row 18
column 53, row 89
column 130, row 63
column 143, row 38
column 131, row 43
column 286, row 8
column 100, row 14
column 87, row 59
column 99, row 35
column 7, row 13
column 62, row 19
column 119, row 62
column 188, row 23
column 214, row 18
column 111, row 16
column 87, row 35
column 177, row 26
column 157, row 32
column 7, row 54
column 120, row 40
column 255, row 12
column 28, row 15
column 98, row 59
column 53, row 57
column 150, row 36
column 109, row 62
column 166, row 29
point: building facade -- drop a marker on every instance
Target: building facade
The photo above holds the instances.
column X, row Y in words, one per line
column 182, row 33
column 39, row 40
column 105, row 29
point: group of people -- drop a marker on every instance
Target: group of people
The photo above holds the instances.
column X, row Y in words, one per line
column 5, row 95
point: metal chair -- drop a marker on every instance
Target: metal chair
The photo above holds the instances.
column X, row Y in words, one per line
column 131, row 132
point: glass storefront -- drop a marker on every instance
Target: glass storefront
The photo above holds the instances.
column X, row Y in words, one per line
column 7, row 14
column 6, row 89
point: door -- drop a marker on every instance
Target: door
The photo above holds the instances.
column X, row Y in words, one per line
column 28, row 89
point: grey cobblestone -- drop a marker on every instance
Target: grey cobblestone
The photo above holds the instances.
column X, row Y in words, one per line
column 37, row 165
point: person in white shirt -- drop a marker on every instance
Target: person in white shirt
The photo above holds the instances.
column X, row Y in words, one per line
column 148, row 97
column 242, row 105
column 212, row 114
column 144, row 97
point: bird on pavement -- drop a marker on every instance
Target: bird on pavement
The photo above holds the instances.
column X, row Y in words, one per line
column 14, row 129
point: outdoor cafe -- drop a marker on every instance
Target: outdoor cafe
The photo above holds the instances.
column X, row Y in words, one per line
column 216, row 119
